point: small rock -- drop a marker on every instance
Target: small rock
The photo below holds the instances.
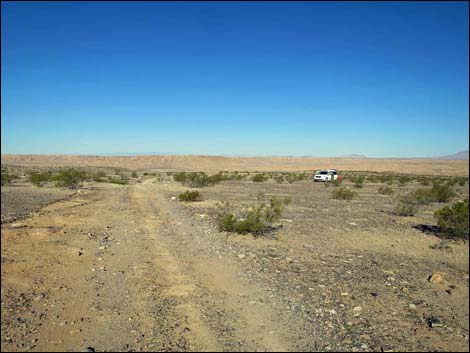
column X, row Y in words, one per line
column 38, row 297
column 357, row 309
column 436, row 277
column 412, row 306
column 434, row 322
column 241, row 256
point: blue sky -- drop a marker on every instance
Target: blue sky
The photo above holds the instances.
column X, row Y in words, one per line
column 235, row 78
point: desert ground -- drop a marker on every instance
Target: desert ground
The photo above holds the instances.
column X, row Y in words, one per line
column 216, row 163
column 111, row 267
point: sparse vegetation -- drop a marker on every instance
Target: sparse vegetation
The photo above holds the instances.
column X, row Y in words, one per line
column 453, row 220
column 259, row 178
column 7, row 178
column 70, row 178
column 251, row 219
column 39, row 178
column 385, row 190
column 343, row 194
column 407, row 206
column 190, row 196
column 198, row 179
column 134, row 175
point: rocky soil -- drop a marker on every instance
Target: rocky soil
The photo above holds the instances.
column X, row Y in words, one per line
column 128, row 268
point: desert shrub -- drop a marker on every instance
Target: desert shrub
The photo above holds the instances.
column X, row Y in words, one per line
column 453, row 220
column 403, row 179
column 385, row 190
column 189, row 196
column 386, row 179
column 145, row 173
column 335, row 182
column 134, row 175
column 359, row 181
column 98, row 176
column 279, row 179
column 70, row 178
column 407, row 206
column 7, row 178
column 424, row 181
column 259, row 178
column 39, row 178
column 198, row 179
column 442, row 192
column 254, row 219
column 343, row 194
column 442, row 245
column 438, row 193
column 462, row 181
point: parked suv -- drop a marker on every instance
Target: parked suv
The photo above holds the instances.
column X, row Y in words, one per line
column 326, row 175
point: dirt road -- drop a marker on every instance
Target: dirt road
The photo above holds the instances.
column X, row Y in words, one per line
column 117, row 269
column 125, row 268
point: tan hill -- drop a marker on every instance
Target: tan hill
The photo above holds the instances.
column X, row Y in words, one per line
column 216, row 163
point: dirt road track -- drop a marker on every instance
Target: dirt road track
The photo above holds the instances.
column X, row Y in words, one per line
column 118, row 269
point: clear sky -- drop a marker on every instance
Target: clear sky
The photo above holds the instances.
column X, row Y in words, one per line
column 235, row 78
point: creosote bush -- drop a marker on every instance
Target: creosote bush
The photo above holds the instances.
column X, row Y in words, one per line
column 343, row 194
column 453, row 220
column 190, row 196
column 259, row 178
column 7, row 178
column 198, row 179
column 385, row 190
column 407, row 206
column 39, row 178
column 251, row 219
column 70, row 178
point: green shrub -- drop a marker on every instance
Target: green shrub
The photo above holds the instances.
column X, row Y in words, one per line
column 385, row 190
column 343, row 194
column 198, row 179
column 442, row 192
column 359, row 181
column 437, row 193
column 403, row 179
column 70, row 178
column 453, row 220
column 255, row 219
column 38, row 178
column 134, row 175
column 407, row 206
column 120, row 181
column 7, row 178
column 279, row 179
column 190, row 196
column 259, row 178
column 98, row 176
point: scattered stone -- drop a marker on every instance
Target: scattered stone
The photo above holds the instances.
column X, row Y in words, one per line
column 38, row 297
column 436, row 277
column 241, row 256
column 412, row 306
column 357, row 309
column 434, row 322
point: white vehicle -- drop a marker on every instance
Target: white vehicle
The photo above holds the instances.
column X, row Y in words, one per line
column 326, row 175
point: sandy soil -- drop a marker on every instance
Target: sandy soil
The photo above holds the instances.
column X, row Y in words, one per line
column 126, row 268
column 216, row 163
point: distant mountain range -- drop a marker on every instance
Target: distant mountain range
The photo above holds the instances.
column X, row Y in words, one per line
column 360, row 156
column 456, row 156
column 464, row 155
